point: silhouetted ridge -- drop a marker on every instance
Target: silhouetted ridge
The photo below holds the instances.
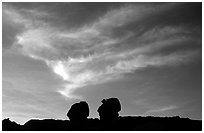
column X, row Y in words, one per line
column 10, row 125
column 46, row 124
column 109, row 121
column 126, row 123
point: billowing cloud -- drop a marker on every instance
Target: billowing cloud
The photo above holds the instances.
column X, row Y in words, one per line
column 105, row 48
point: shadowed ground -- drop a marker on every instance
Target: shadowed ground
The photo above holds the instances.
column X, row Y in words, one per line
column 109, row 121
column 129, row 123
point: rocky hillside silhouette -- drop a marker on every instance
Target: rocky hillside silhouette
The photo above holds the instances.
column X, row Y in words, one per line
column 126, row 123
column 109, row 121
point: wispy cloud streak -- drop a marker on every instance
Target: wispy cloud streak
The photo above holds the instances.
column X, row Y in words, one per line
column 162, row 109
column 95, row 53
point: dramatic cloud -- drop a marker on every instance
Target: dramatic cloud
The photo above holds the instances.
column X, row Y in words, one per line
column 55, row 54
column 105, row 48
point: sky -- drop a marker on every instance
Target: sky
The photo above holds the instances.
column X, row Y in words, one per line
column 148, row 55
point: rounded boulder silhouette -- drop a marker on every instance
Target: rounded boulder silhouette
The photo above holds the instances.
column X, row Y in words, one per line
column 78, row 111
column 109, row 109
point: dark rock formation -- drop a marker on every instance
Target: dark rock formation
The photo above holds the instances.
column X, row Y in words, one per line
column 109, row 121
column 109, row 109
column 10, row 125
column 78, row 111
column 125, row 123
column 46, row 125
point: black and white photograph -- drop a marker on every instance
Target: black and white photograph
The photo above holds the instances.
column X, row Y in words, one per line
column 101, row 66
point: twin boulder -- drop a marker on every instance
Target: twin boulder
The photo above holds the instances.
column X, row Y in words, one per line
column 107, row 111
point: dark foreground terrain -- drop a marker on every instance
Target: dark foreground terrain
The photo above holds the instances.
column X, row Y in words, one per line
column 126, row 123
